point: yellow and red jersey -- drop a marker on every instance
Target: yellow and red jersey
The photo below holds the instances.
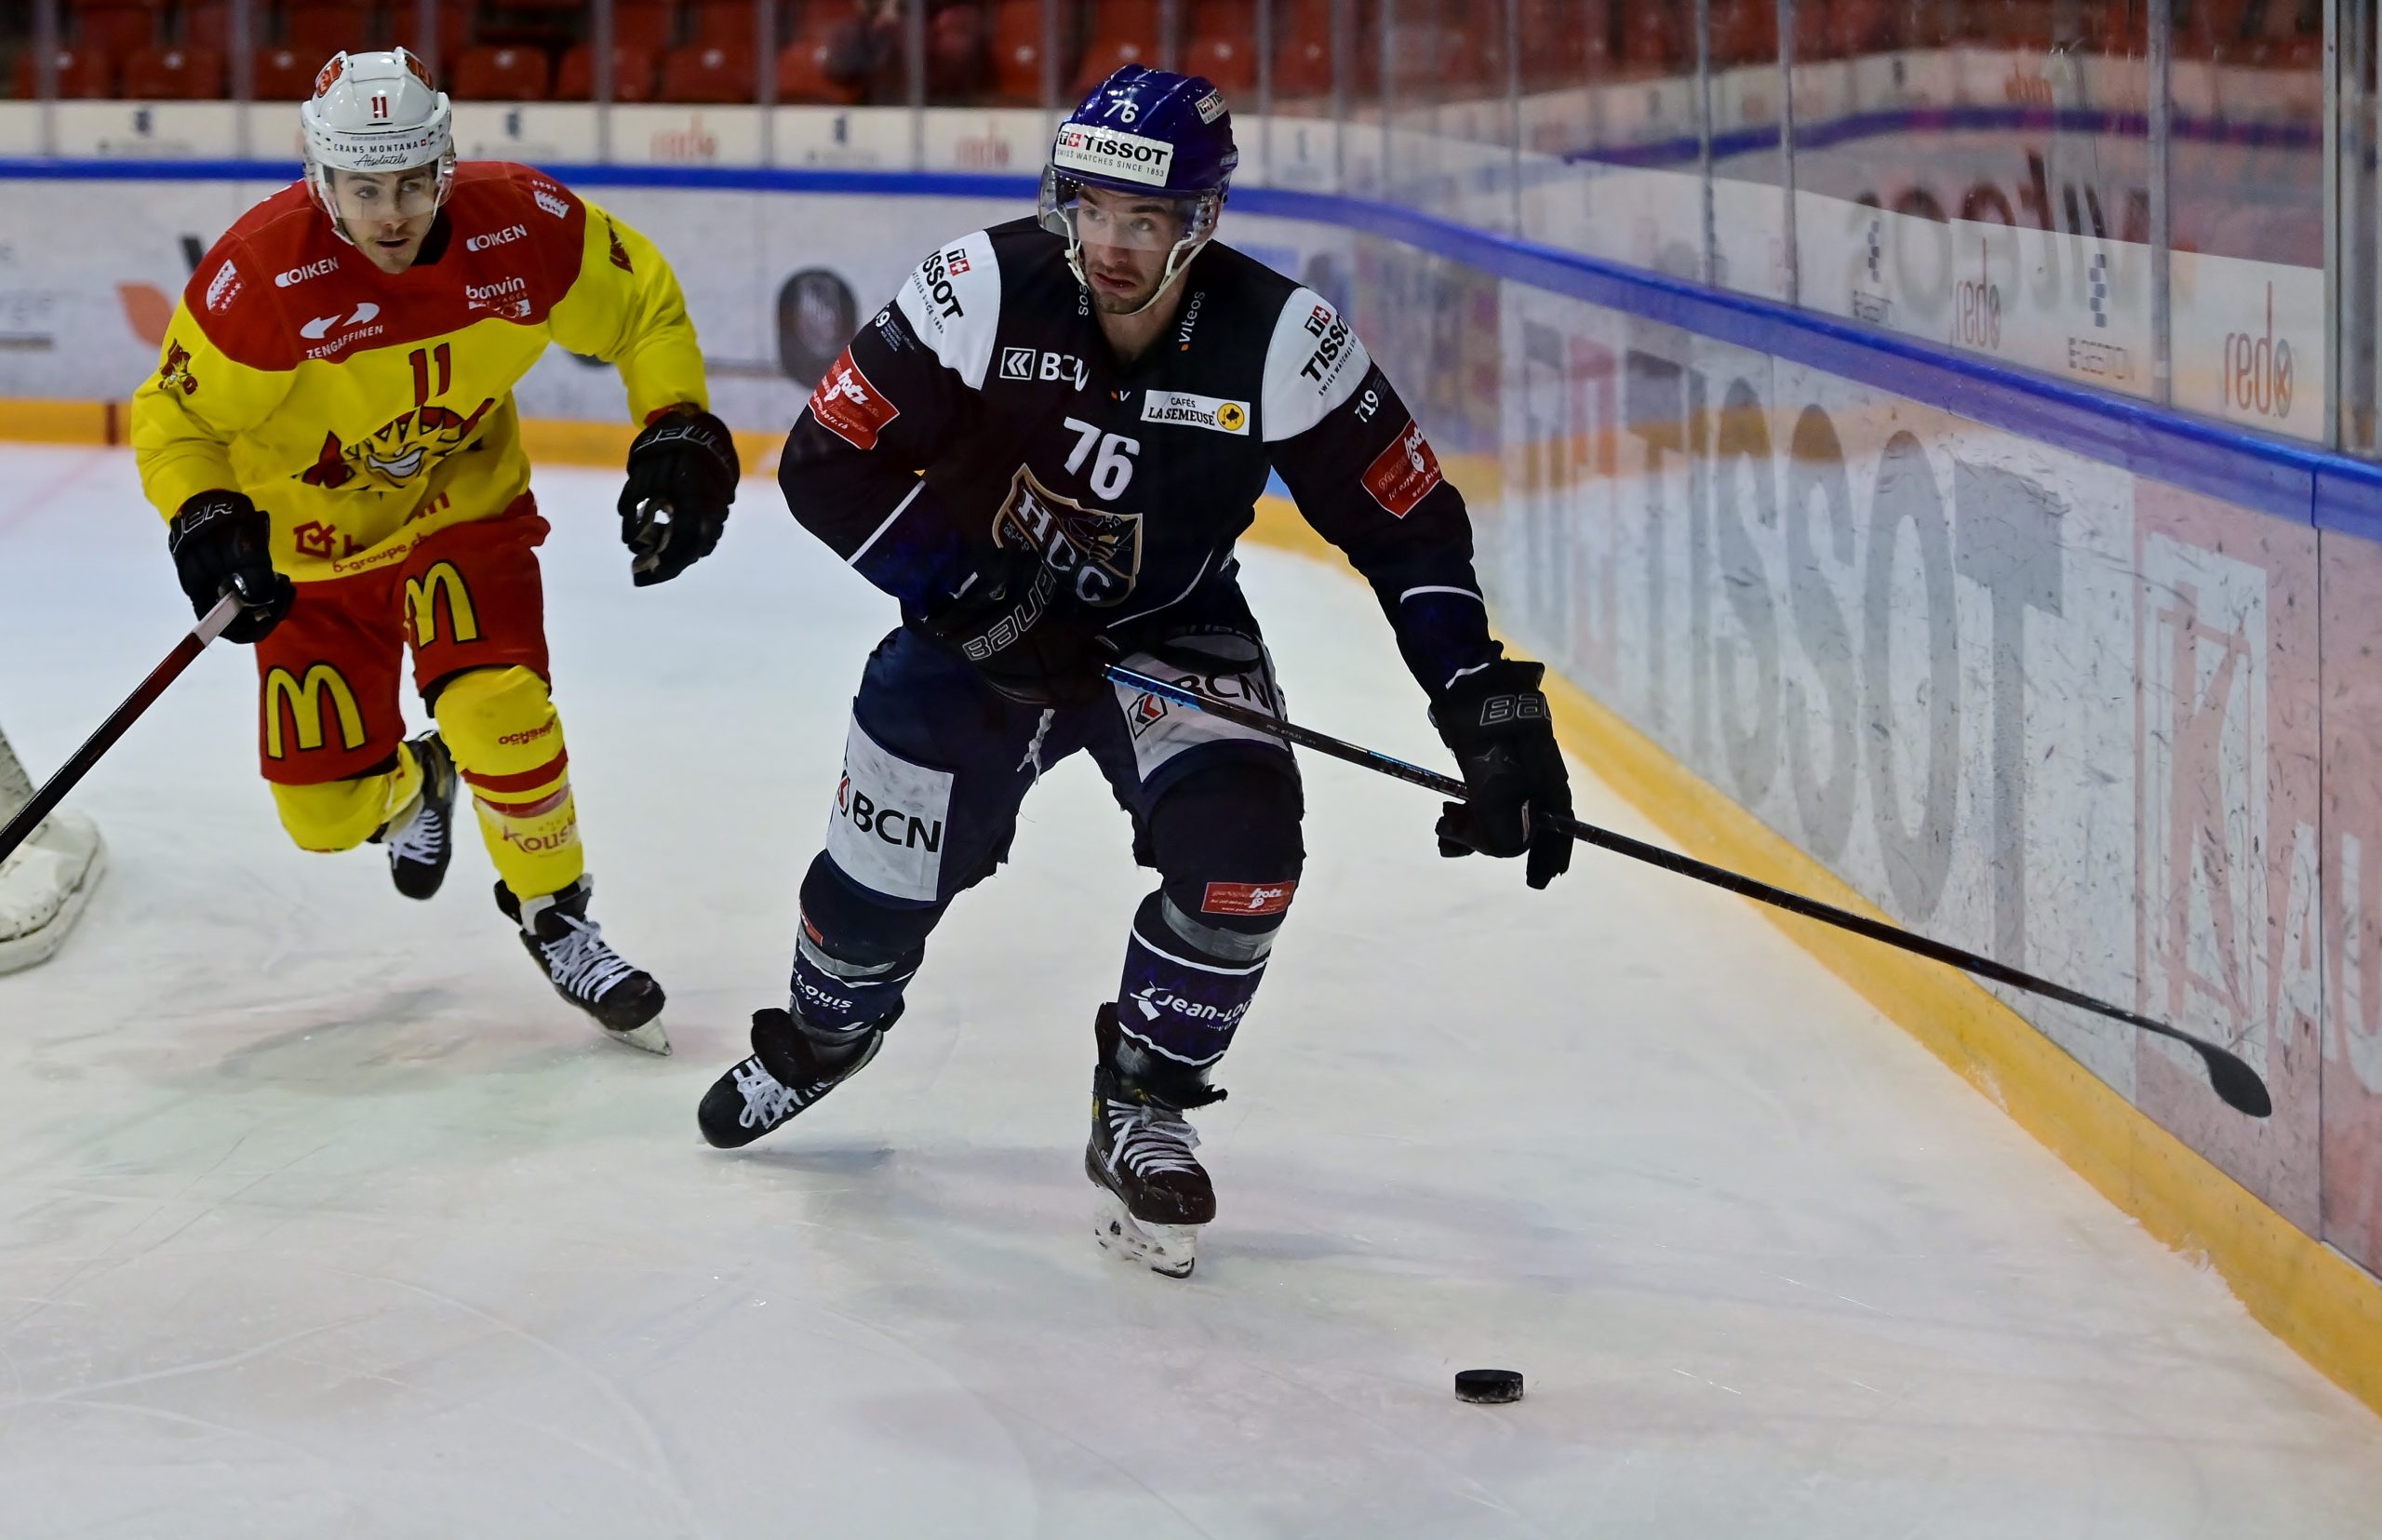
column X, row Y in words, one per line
column 362, row 409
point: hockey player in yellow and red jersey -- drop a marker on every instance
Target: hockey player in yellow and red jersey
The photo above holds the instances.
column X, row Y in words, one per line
column 332, row 437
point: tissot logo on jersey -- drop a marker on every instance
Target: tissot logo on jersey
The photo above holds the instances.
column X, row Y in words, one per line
column 1099, row 554
column 1186, row 411
column 297, row 275
column 1330, row 333
column 1404, row 474
column 1113, row 153
column 851, row 407
column 933, row 283
column 506, row 236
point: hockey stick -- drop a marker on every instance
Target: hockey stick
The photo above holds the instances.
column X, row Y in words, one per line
column 2235, row 1082
column 28, row 818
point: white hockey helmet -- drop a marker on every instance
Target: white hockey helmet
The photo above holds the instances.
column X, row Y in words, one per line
column 375, row 112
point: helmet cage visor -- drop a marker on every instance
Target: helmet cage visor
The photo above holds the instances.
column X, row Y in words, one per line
column 1180, row 230
column 367, row 198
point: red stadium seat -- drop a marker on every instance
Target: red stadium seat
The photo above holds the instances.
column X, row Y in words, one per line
column 500, row 74
column 284, row 74
column 314, row 27
column 1228, row 59
column 724, row 24
column 84, row 74
column 802, row 74
column 116, row 27
column 705, row 74
column 172, row 74
column 633, row 74
column 1105, row 58
column 1016, row 51
column 648, row 25
column 1303, row 68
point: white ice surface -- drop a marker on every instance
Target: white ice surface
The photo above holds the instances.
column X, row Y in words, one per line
column 319, row 1215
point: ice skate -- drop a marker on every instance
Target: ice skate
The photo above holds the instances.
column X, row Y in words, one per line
column 422, row 839
column 624, row 999
column 793, row 1064
column 1154, row 1192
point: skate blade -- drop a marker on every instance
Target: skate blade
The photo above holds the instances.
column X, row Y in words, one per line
column 1170, row 1251
column 649, row 1037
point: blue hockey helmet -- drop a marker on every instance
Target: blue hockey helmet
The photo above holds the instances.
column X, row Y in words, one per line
column 1150, row 132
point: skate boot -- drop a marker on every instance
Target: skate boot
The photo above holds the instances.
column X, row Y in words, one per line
column 793, row 1064
column 1154, row 1192
column 623, row 1000
column 422, row 838
column 792, row 1067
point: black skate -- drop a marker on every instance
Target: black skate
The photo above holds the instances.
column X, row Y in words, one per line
column 1155, row 1194
column 793, row 1064
column 624, row 1001
column 421, row 844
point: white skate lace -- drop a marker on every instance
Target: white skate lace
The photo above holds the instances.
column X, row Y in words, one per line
column 421, row 837
column 767, row 1102
column 580, row 961
column 1150, row 1139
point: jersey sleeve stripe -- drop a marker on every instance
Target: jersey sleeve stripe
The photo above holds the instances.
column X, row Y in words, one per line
column 891, row 519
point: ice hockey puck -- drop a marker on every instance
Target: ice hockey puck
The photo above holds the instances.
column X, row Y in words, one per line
column 1488, row 1387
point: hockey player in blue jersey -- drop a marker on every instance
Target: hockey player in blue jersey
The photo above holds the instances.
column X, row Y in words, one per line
column 1045, row 449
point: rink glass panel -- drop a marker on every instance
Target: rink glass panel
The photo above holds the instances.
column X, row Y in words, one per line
column 2103, row 729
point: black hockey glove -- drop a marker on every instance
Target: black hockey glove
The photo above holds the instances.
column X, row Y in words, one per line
column 682, row 477
column 1495, row 723
column 220, row 543
column 1012, row 622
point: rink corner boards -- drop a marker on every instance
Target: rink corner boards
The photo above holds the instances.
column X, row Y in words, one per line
column 2324, row 1306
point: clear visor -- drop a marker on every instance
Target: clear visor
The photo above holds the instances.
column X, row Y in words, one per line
column 1126, row 221
column 366, row 198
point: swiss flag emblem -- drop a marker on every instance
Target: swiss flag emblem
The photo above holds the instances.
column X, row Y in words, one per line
column 851, row 407
column 1404, row 474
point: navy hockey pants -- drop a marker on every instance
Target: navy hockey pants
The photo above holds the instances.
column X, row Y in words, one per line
column 935, row 768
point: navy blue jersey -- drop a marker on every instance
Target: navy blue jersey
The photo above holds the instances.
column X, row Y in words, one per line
column 985, row 409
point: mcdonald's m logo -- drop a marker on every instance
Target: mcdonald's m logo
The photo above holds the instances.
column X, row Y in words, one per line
column 306, row 703
column 421, row 604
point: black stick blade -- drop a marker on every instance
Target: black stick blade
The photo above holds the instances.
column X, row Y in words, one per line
column 2236, row 1083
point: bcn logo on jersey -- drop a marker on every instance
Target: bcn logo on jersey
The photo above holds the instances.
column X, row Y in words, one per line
column 506, row 236
column 1113, row 153
column 422, row 605
column 1099, row 554
column 886, row 830
column 1037, row 364
column 1330, row 333
column 849, row 407
column 1404, row 474
column 891, row 826
column 305, row 700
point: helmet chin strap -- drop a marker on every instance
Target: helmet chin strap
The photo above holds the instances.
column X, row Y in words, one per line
column 1178, row 262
